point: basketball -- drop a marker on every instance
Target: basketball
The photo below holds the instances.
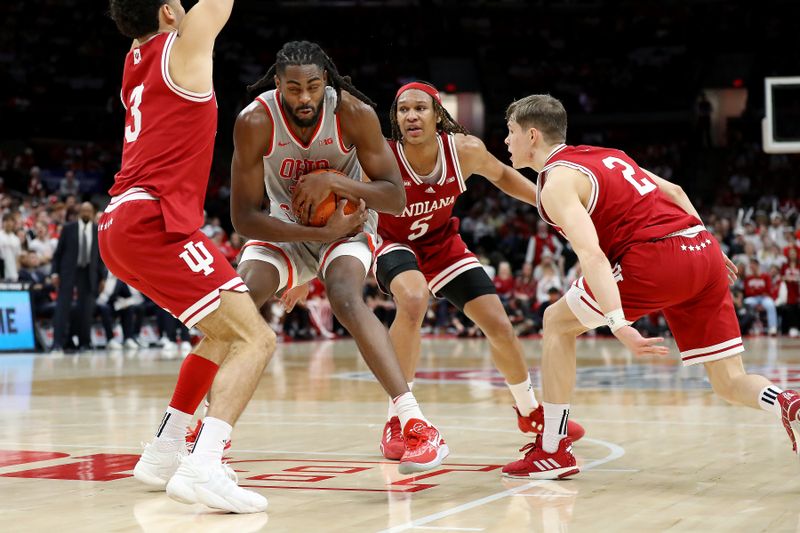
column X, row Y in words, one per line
column 324, row 210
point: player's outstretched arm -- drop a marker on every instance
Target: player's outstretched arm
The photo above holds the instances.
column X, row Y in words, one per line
column 561, row 198
column 384, row 192
column 251, row 133
column 476, row 159
column 191, row 61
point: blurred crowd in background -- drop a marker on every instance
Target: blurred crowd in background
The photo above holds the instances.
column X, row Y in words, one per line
column 631, row 76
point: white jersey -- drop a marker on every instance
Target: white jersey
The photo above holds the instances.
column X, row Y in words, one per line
column 288, row 158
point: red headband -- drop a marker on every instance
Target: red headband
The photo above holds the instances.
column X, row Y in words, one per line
column 424, row 87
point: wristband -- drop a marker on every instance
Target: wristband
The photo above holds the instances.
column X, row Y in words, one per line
column 616, row 319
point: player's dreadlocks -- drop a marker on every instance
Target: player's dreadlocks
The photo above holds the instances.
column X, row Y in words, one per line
column 308, row 53
column 446, row 124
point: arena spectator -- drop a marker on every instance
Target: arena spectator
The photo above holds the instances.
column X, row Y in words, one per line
column 69, row 185
column 77, row 269
column 757, row 293
column 788, row 300
column 10, row 248
column 504, row 281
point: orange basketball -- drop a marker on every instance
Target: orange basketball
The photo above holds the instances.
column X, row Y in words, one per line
column 328, row 206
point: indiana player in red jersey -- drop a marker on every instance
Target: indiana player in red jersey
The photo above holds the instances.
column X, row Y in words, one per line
column 422, row 252
column 616, row 213
column 149, row 238
column 315, row 118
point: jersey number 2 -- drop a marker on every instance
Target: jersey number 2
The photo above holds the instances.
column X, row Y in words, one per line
column 132, row 131
column 643, row 185
column 420, row 228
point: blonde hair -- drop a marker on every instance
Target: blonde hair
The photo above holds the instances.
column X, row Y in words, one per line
column 543, row 112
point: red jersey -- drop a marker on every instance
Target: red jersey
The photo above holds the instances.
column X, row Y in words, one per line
column 791, row 277
column 760, row 285
column 626, row 207
column 169, row 136
column 427, row 217
column 504, row 287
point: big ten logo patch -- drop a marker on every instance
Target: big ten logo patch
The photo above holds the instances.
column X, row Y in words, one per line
column 197, row 256
column 292, row 169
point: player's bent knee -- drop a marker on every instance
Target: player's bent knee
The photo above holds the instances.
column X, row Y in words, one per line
column 251, row 335
column 412, row 303
column 499, row 328
column 559, row 320
column 345, row 305
column 264, row 338
column 262, row 280
column 235, row 320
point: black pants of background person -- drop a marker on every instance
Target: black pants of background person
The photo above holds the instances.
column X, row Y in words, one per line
column 297, row 324
column 171, row 327
column 790, row 317
column 85, row 311
column 107, row 313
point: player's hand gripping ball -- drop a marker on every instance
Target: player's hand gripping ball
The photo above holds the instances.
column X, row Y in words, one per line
column 324, row 208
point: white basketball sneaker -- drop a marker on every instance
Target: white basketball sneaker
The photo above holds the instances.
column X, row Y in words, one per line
column 214, row 485
column 159, row 461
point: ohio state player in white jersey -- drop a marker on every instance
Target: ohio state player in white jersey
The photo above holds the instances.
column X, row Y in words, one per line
column 422, row 252
column 316, row 119
column 613, row 211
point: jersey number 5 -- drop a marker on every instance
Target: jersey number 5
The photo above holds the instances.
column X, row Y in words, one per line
column 132, row 131
column 420, row 227
column 643, row 185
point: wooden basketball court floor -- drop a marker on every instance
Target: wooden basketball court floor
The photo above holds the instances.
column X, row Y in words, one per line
column 661, row 453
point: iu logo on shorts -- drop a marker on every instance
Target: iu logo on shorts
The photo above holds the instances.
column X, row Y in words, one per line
column 197, row 257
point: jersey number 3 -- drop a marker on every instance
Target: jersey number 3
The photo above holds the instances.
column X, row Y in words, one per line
column 643, row 185
column 132, row 131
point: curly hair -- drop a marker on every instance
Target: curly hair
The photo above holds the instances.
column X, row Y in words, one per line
column 447, row 123
column 135, row 18
column 308, row 53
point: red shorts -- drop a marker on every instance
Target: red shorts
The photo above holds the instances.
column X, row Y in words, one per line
column 687, row 279
column 440, row 261
column 184, row 274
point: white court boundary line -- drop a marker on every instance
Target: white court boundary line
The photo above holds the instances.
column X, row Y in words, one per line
column 616, row 452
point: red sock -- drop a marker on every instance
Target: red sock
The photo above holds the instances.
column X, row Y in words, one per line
column 194, row 380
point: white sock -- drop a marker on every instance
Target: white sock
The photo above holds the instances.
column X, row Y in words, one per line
column 556, row 416
column 524, row 396
column 210, row 443
column 173, row 425
column 392, row 412
column 407, row 408
column 768, row 399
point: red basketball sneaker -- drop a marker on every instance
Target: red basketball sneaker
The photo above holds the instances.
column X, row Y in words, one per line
column 789, row 401
column 392, row 445
column 191, row 436
column 534, row 423
column 425, row 447
column 538, row 464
